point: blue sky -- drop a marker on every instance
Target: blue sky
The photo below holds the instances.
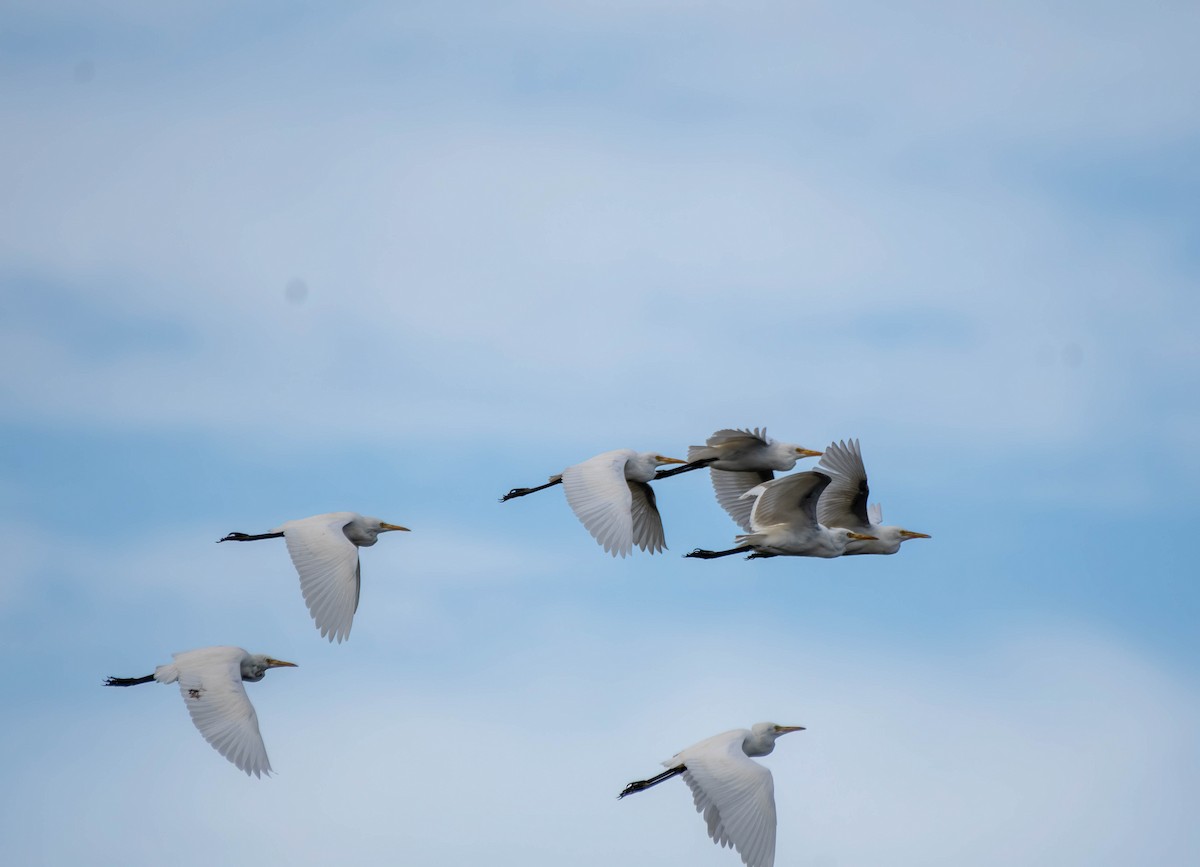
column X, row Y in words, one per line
column 262, row 261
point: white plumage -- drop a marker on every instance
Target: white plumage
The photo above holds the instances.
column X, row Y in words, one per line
column 783, row 522
column 844, row 503
column 210, row 681
column 740, row 459
column 611, row 496
column 735, row 795
column 324, row 550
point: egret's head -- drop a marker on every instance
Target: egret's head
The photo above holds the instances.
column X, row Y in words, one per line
column 762, row 737
column 256, row 665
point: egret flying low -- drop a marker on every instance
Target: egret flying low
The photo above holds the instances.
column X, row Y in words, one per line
column 611, row 496
column 210, row 681
column 844, row 503
column 738, row 460
column 736, row 795
column 783, row 522
column 324, row 550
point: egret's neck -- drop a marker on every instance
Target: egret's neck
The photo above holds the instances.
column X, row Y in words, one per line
column 759, row 744
column 641, row 468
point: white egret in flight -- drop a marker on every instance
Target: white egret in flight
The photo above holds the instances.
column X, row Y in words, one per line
column 783, row 522
column 210, row 681
column 324, row 550
column 611, row 496
column 735, row 794
column 844, row 503
column 739, row 460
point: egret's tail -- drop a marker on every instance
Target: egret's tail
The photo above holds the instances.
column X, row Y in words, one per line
column 639, row 785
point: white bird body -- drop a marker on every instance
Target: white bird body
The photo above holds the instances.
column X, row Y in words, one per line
column 611, row 496
column 324, row 550
column 741, row 459
column 210, row 681
column 844, row 503
column 783, row 519
column 735, row 795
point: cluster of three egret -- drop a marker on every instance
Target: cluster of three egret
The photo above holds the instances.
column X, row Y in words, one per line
column 806, row 514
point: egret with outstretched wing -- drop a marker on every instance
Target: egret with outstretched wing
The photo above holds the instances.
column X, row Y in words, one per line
column 324, row 550
column 783, row 522
column 738, row 460
column 210, row 681
column 611, row 495
column 735, row 795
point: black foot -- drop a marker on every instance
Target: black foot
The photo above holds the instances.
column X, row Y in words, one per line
column 642, row 785
column 702, row 554
column 127, row 681
column 245, row 537
column 520, row 492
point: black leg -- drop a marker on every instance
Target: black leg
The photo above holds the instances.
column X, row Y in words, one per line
column 640, row 785
column 702, row 554
column 521, row 492
column 242, row 537
column 686, row 468
column 127, row 681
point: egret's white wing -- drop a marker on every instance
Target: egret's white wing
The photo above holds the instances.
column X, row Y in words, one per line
column 599, row 496
column 735, row 794
column 844, row 502
column 647, row 523
column 210, row 681
column 731, row 485
column 843, row 458
column 789, row 500
column 730, row 434
column 727, row 437
column 329, row 573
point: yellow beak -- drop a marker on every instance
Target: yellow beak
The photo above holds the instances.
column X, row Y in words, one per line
column 862, row 537
column 663, row 460
column 909, row 534
column 392, row 527
column 808, row 453
column 279, row 663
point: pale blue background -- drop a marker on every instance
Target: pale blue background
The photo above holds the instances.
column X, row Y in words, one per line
column 516, row 235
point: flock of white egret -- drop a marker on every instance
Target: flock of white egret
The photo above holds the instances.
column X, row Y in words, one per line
column 818, row 513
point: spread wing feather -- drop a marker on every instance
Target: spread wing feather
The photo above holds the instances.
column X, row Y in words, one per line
column 329, row 570
column 736, row 796
column 730, row 486
column 844, row 502
column 210, row 681
column 647, row 523
column 789, row 500
column 601, row 499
